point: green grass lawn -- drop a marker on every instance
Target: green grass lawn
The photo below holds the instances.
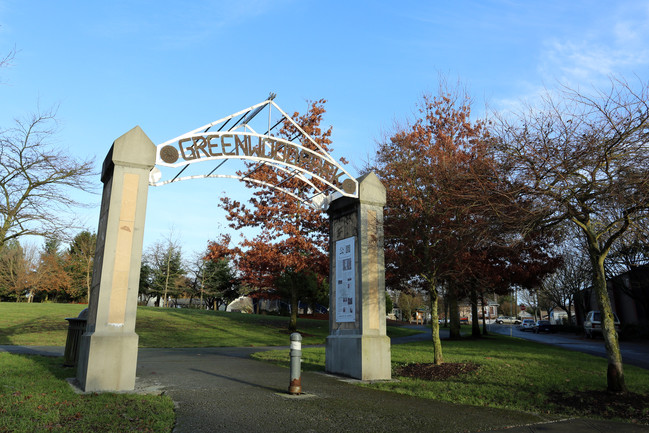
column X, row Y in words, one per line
column 34, row 396
column 35, row 324
column 45, row 325
column 513, row 374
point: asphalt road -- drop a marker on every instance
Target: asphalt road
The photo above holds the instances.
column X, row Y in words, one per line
column 633, row 353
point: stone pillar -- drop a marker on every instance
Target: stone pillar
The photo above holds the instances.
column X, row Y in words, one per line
column 108, row 350
column 357, row 345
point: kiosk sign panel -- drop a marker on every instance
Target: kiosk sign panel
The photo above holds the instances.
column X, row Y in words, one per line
column 345, row 281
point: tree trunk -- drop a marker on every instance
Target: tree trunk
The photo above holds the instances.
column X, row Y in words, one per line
column 165, row 303
column 202, row 289
column 615, row 372
column 484, row 316
column 454, row 313
column 447, row 312
column 438, row 358
column 475, row 325
column 88, row 278
column 292, row 325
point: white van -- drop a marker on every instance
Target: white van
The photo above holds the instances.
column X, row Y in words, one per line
column 593, row 324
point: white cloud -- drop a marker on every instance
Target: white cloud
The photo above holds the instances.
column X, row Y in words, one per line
column 615, row 45
column 591, row 61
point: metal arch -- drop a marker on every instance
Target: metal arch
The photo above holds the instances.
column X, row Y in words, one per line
column 265, row 139
column 226, row 119
column 244, row 178
column 290, row 119
column 232, row 132
column 308, row 202
column 280, row 153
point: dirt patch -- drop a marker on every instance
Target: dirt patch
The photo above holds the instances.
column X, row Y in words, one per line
column 436, row 372
column 629, row 406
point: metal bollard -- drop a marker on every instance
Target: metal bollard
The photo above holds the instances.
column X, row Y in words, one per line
column 295, row 386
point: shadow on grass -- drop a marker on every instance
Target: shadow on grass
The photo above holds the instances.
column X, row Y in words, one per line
column 8, row 334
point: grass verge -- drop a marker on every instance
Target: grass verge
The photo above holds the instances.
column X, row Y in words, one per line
column 34, row 396
column 512, row 374
column 45, row 325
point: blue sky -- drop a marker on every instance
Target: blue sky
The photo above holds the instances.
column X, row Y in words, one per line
column 171, row 67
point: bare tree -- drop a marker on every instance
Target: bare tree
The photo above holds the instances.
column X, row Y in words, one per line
column 560, row 288
column 584, row 160
column 630, row 252
column 7, row 59
column 36, row 179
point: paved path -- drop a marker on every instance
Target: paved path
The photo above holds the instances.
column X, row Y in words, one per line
column 222, row 390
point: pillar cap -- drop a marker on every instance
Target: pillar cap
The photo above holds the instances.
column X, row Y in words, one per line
column 371, row 190
column 133, row 149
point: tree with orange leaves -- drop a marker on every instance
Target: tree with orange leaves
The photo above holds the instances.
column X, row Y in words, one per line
column 291, row 247
column 423, row 166
column 446, row 203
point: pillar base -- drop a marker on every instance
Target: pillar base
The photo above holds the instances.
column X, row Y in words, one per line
column 361, row 357
column 107, row 362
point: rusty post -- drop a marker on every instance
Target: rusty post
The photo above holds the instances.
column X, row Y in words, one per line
column 295, row 386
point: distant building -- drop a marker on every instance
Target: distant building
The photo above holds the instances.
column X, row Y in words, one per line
column 490, row 308
column 558, row 316
column 629, row 295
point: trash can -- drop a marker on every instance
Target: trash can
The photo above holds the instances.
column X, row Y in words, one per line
column 76, row 328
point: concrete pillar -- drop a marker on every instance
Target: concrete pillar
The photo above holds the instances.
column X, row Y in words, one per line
column 357, row 345
column 108, row 350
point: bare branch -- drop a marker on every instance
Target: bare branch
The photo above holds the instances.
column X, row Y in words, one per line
column 36, row 179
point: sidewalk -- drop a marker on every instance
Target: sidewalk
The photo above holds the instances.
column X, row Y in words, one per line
column 222, row 390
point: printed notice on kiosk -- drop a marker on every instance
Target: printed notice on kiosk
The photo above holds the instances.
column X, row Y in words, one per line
column 345, row 281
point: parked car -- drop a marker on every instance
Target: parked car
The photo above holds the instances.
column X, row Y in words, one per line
column 507, row 319
column 543, row 326
column 593, row 323
column 527, row 325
